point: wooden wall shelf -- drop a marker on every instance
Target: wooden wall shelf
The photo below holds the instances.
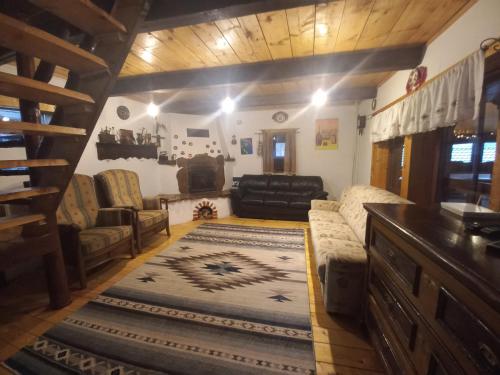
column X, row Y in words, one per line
column 117, row 150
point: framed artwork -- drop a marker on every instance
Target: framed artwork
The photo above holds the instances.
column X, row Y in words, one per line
column 126, row 137
column 203, row 133
column 327, row 131
column 246, row 146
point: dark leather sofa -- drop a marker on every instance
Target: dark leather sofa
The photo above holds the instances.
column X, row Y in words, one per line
column 276, row 196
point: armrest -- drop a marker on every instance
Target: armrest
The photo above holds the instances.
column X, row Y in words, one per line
column 237, row 193
column 70, row 240
column 163, row 203
column 151, row 203
column 325, row 205
column 320, row 195
column 110, row 217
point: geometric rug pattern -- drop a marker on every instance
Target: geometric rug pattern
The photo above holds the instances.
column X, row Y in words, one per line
column 225, row 299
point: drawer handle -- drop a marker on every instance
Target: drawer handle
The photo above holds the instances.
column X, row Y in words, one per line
column 488, row 355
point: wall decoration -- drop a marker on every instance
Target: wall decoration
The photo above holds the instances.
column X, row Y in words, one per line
column 327, row 134
column 246, row 146
column 212, row 151
column 200, row 133
column 214, row 143
column 126, row 137
column 190, row 143
column 176, row 136
column 143, row 137
column 416, row 79
column 233, row 140
column 183, row 142
column 280, row 117
column 107, row 135
column 123, row 112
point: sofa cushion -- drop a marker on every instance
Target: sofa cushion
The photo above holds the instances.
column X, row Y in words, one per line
column 79, row 204
column 261, row 192
column 326, row 230
column 148, row 218
column 338, row 251
column 253, row 199
column 351, row 205
column 257, row 182
column 300, row 203
column 326, row 216
column 306, row 183
column 277, row 200
column 280, row 182
column 96, row 239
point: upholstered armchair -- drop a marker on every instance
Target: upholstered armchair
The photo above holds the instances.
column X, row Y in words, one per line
column 91, row 235
column 121, row 188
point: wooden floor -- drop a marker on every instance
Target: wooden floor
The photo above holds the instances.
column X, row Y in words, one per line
column 340, row 346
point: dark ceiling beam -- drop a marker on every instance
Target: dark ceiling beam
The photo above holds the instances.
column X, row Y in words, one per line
column 357, row 62
column 246, row 102
column 170, row 14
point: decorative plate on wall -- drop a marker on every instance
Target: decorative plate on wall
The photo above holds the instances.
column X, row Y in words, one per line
column 123, row 112
column 280, row 116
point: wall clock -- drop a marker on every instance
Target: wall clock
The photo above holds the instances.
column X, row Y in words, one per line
column 123, row 112
column 280, row 116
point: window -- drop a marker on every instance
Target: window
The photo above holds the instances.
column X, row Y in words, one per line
column 489, row 152
column 279, row 150
column 461, row 152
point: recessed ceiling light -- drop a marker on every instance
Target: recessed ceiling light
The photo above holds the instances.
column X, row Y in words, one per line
column 153, row 110
column 5, row 119
column 319, row 98
column 147, row 56
column 221, row 43
column 322, row 29
column 227, row 105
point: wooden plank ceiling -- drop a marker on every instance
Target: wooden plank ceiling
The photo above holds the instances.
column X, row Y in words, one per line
column 313, row 30
column 336, row 26
column 323, row 28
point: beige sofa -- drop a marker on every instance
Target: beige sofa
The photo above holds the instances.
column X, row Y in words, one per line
column 338, row 238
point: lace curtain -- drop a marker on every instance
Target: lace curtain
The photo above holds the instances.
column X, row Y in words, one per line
column 451, row 97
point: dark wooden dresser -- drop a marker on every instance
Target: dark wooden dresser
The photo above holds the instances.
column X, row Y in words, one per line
column 433, row 304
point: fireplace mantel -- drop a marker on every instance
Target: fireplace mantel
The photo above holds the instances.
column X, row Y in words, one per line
column 200, row 161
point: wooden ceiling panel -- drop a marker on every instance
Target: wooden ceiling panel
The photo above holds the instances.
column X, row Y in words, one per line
column 354, row 18
column 245, row 37
column 328, row 19
column 301, row 28
column 383, row 17
column 215, row 41
column 274, row 26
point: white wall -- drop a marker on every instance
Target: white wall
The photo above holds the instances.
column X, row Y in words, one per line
column 462, row 38
column 334, row 166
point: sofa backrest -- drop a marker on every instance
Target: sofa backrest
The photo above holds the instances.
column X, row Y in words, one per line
column 79, row 204
column 280, row 183
column 121, row 188
column 351, row 205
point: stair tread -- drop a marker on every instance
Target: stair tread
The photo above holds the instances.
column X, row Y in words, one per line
column 83, row 14
column 29, row 89
column 24, row 193
column 13, row 221
column 21, row 127
column 32, row 163
column 21, row 37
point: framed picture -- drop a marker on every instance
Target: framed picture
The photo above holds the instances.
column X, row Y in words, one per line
column 127, row 137
column 327, row 134
column 246, row 146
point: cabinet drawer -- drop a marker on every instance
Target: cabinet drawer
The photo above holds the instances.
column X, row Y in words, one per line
column 435, row 367
column 479, row 343
column 407, row 269
column 382, row 344
column 404, row 326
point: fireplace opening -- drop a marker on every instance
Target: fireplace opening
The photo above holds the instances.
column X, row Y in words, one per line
column 201, row 179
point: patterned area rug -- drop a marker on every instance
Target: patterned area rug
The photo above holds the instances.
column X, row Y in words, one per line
column 225, row 299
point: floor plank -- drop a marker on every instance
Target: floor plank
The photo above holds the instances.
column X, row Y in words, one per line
column 341, row 346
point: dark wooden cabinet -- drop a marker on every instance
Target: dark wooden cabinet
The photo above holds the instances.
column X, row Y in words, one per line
column 433, row 293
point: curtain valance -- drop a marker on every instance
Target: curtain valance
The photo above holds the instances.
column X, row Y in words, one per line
column 451, row 97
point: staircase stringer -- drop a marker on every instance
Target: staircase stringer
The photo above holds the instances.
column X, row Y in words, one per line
column 113, row 48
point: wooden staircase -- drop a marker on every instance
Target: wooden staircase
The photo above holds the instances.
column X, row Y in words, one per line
column 53, row 150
